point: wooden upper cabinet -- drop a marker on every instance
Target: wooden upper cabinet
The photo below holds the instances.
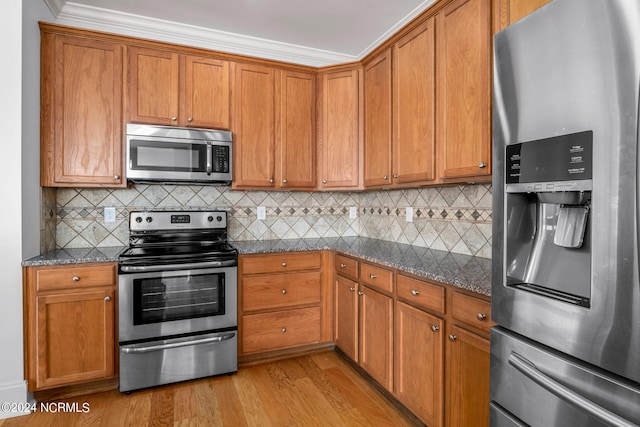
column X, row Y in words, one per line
column 253, row 126
column 464, row 91
column 153, row 86
column 414, row 106
column 171, row 89
column 81, row 112
column 295, row 130
column 377, row 120
column 339, row 123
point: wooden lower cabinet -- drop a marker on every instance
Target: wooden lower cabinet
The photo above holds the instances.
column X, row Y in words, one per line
column 376, row 335
column 345, row 332
column 467, row 379
column 70, row 324
column 280, row 329
column 418, row 362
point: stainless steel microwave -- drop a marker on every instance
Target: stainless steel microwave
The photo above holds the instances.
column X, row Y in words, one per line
column 171, row 154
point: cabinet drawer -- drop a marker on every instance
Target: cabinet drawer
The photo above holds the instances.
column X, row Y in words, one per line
column 376, row 277
column 281, row 262
column 421, row 293
column 472, row 311
column 346, row 266
column 280, row 290
column 268, row 331
column 65, row 277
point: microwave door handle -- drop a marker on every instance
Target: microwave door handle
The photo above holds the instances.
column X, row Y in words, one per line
column 209, row 158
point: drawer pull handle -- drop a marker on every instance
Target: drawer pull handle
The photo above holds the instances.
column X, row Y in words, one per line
column 452, row 337
column 284, row 264
column 284, row 291
column 343, row 265
column 360, row 293
column 372, row 276
column 435, row 328
column 352, row 289
column 415, row 292
column 481, row 316
column 107, row 299
column 283, row 330
column 75, row 278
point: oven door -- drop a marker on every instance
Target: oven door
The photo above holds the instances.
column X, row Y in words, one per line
column 173, row 302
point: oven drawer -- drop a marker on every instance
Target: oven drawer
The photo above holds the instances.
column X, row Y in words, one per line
column 280, row 290
column 281, row 262
column 69, row 277
column 421, row 294
column 269, row 331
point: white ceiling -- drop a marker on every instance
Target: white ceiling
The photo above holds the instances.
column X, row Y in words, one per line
column 309, row 32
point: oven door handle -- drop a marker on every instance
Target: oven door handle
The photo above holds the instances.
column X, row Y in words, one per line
column 148, row 349
column 166, row 267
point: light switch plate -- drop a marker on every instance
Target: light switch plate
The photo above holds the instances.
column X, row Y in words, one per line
column 409, row 214
column 262, row 213
column 109, row 214
column 353, row 212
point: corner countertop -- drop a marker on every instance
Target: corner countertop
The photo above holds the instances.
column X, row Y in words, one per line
column 462, row 271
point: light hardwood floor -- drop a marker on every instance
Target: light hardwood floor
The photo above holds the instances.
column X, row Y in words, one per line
column 315, row 390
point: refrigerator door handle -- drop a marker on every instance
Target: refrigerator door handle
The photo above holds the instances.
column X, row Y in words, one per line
column 530, row 370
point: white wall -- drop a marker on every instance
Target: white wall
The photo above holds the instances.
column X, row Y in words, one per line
column 12, row 386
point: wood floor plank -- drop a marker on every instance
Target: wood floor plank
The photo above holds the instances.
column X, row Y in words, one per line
column 227, row 398
column 161, row 413
column 252, row 407
column 115, row 413
column 272, row 397
column 206, row 404
column 139, row 408
column 322, row 382
column 326, row 360
column 309, row 407
column 184, row 403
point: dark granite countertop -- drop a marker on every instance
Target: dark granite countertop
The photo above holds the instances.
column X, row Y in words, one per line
column 75, row 256
column 462, row 271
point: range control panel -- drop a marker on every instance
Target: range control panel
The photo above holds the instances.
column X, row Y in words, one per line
column 177, row 220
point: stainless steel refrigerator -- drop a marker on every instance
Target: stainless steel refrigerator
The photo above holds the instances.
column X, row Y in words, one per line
column 566, row 293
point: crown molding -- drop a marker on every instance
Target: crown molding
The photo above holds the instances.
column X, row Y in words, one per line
column 171, row 32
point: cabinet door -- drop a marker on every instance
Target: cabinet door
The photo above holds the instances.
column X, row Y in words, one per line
column 346, row 316
column 464, row 91
column 153, row 86
column 419, row 352
column 296, row 130
column 75, row 338
column 376, row 336
column 518, row 9
column 206, row 93
column 468, row 379
column 377, row 121
column 81, row 113
column 253, row 126
column 414, row 106
column 340, row 135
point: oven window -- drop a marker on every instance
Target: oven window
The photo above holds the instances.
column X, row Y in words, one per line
column 162, row 299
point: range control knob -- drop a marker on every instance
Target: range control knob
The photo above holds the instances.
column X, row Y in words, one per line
column 149, row 219
column 210, row 218
column 138, row 219
column 219, row 218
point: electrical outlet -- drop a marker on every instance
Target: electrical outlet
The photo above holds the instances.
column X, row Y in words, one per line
column 409, row 212
column 353, row 212
column 262, row 213
column 109, row 214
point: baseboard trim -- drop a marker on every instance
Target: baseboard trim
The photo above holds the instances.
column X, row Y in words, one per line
column 13, row 393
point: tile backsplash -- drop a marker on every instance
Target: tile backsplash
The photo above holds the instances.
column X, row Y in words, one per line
column 455, row 219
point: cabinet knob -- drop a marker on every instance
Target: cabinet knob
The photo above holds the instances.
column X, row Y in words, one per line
column 324, row 181
column 415, row 292
column 116, row 177
column 343, row 265
column 270, row 180
column 395, row 175
column 482, row 165
column 435, row 328
column 284, row 264
column 284, row 291
column 284, row 181
column 352, row 289
column 107, row 299
column 75, row 278
column 372, row 276
column 452, row 337
column 481, row 316
column 360, row 293
column 385, row 177
column 174, row 118
column 189, row 119
column 283, row 330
